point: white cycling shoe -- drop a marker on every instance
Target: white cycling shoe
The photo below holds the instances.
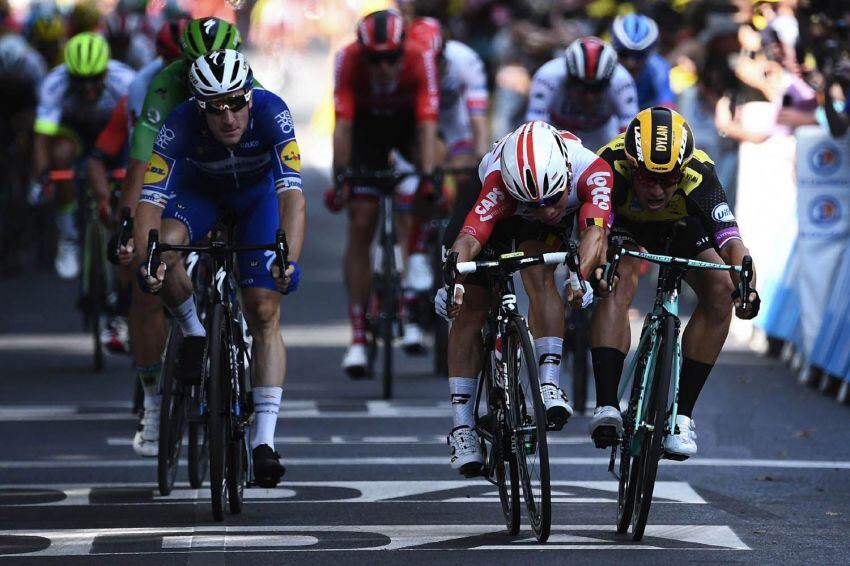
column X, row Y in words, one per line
column 419, row 276
column 466, row 454
column 606, row 426
column 67, row 261
column 558, row 409
column 355, row 363
column 413, row 341
column 116, row 336
column 146, row 439
column 682, row 444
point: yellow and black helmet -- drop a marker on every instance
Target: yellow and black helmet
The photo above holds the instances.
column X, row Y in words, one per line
column 659, row 140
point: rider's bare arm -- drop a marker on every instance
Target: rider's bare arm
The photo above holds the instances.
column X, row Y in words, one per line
column 292, row 208
column 342, row 144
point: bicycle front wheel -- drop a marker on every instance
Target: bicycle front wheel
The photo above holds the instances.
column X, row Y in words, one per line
column 528, row 419
column 656, row 415
column 95, row 287
column 217, row 409
column 237, row 448
column 172, row 417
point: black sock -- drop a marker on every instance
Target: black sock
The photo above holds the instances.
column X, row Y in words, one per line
column 692, row 378
column 607, row 368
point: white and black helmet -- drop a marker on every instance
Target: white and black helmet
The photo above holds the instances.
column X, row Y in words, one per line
column 219, row 73
column 591, row 60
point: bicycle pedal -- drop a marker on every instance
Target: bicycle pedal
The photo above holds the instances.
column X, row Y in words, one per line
column 605, row 437
column 472, row 471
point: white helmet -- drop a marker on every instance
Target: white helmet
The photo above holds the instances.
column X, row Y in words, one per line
column 591, row 60
column 535, row 165
column 219, row 73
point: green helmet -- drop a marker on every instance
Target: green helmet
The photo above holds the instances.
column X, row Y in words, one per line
column 208, row 34
column 86, row 54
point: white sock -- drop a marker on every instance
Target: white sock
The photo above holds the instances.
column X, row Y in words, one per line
column 549, row 350
column 266, row 408
column 462, row 390
column 187, row 318
column 66, row 226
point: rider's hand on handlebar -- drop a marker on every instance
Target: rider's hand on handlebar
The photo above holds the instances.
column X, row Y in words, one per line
column 441, row 301
column 753, row 305
column 289, row 282
column 579, row 299
column 150, row 284
column 597, row 281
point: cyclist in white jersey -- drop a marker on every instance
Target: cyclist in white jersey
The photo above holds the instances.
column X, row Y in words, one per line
column 591, row 95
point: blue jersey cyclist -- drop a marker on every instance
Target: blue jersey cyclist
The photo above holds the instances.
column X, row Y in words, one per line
column 635, row 36
column 230, row 146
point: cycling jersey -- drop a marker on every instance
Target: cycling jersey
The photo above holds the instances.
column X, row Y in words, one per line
column 139, row 89
column 589, row 193
column 463, row 93
column 699, row 195
column 653, row 83
column 550, row 102
column 19, row 63
column 168, row 88
column 112, row 140
column 268, row 146
column 59, row 106
column 415, row 90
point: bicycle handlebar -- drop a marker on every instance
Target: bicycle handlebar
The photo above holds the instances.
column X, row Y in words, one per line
column 59, row 175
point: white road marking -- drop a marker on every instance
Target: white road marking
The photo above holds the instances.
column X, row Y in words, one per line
column 80, row 542
column 86, row 461
column 435, row 440
column 369, row 492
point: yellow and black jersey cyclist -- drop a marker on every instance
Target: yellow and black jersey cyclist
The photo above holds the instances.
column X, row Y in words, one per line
column 660, row 178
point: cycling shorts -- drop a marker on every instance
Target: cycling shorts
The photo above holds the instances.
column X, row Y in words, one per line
column 256, row 220
column 692, row 240
column 373, row 139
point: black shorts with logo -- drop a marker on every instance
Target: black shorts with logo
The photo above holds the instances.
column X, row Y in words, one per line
column 691, row 239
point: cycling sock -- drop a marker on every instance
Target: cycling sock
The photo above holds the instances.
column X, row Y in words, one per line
column 549, row 349
column 357, row 316
column 693, row 376
column 148, row 377
column 462, row 390
column 187, row 318
column 607, row 367
column 66, row 225
column 266, row 409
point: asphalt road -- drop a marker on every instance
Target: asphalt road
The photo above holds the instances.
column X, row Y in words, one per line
column 770, row 483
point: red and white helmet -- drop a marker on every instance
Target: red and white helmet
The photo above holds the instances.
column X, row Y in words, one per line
column 381, row 31
column 535, row 165
column 591, row 60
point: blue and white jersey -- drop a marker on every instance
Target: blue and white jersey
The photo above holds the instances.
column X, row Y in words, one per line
column 653, row 83
column 268, row 149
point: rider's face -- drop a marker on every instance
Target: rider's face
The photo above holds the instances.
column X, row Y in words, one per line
column 554, row 213
column 632, row 63
column 228, row 126
column 385, row 68
column 654, row 191
column 586, row 95
column 88, row 88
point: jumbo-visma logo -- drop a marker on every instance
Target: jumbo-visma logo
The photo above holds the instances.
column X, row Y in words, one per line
column 157, row 170
column 824, row 210
column 290, row 156
column 825, row 158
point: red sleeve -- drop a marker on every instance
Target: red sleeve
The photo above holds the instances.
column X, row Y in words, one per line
column 344, row 100
column 594, row 192
column 116, row 133
column 493, row 204
column 427, row 87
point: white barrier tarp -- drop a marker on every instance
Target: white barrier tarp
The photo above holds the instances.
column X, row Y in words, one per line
column 823, row 202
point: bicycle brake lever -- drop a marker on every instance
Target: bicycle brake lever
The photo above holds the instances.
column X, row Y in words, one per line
column 745, row 278
column 281, row 251
column 153, row 253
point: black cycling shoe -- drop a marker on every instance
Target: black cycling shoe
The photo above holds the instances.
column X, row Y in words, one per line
column 267, row 467
column 189, row 360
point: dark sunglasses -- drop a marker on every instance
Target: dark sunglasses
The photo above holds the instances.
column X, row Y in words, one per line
column 80, row 82
column 548, row 201
column 663, row 179
column 233, row 103
column 633, row 55
column 391, row 57
column 596, row 87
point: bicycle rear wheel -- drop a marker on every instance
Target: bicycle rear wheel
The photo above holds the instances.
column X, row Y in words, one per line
column 217, row 409
column 656, row 414
column 199, row 452
column 528, row 419
column 388, row 302
column 172, row 417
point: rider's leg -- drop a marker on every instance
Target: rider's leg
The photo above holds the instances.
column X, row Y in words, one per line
column 177, row 287
column 147, row 338
column 706, row 332
column 465, row 352
column 610, row 333
column 62, row 154
column 362, row 218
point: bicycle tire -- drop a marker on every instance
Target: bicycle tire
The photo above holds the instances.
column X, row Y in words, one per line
column 172, row 416
column 579, row 346
column 236, row 449
column 629, row 467
column 652, row 448
column 198, row 454
column 217, row 411
column 96, row 289
column 519, row 352
column 440, row 326
column 387, row 316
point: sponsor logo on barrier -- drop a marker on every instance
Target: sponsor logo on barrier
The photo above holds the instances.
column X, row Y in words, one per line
column 722, row 213
column 157, row 170
column 825, row 159
column 824, row 210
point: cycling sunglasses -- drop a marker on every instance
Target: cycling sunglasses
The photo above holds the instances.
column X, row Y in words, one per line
column 596, row 87
column 663, row 179
column 391, row 57
column 548, row 201
column 633, row 55
column 233, row 103
column 80, row 82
